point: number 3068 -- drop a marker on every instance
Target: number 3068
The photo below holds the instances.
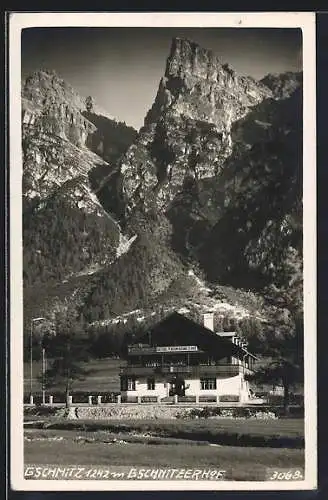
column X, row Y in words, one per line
column 286, row 475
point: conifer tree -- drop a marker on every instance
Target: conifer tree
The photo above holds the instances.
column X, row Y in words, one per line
column 69, row 349
column 283, row 336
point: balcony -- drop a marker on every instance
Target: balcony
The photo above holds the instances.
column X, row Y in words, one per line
column 140, row 370
column 193, row 371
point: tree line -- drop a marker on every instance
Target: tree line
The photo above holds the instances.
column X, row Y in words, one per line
column 60, row 239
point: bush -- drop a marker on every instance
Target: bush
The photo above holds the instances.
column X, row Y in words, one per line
column 40, row 411
column 294, row 412
column 198, row 412
column 240, row 412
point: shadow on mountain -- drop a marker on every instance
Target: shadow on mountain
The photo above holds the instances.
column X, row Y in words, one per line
column 111, row 139
column 242, row 221
column 106, row 183
column 262, row 215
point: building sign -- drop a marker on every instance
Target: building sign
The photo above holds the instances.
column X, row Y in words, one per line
column 140, row 349
column 177, row 348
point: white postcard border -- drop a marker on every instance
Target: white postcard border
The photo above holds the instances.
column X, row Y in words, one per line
column 305, row 21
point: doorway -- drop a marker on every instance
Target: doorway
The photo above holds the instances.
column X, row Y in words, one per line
column 177, row 387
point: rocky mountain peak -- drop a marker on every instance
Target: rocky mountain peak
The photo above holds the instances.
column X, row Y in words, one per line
column 52, row 106
column 187, row 56
column 283, row 85
column 188, row 60
column 197, row 84
column 45, row 87
column 187, row 132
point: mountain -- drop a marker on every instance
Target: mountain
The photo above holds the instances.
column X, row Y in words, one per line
column 66, row 230
column 198, row 210
column 214, row 146
column 187, row 133
column 260, row 225
column 283, row 85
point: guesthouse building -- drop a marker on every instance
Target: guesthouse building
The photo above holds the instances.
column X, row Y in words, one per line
column 183, row 360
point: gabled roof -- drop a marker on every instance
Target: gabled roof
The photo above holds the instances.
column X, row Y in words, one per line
column 177, row 329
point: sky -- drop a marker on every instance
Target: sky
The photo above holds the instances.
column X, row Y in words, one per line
column 121, row 67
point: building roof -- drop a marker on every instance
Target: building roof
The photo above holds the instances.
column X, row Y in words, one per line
column 177, row 329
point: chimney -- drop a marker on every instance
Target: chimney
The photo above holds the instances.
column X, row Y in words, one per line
column 209, row 321
column 236, row 340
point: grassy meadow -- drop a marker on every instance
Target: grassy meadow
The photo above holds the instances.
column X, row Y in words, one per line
column 103, row 377
column 139, row 444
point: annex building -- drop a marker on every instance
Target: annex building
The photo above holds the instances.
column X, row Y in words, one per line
column 188, row 361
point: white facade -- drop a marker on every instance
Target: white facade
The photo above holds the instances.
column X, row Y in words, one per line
column 232, row 386
column 141, row 389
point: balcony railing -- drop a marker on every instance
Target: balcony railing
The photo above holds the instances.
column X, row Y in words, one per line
column 199, row 370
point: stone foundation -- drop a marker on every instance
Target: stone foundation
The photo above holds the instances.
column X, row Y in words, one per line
column 127, row 412
column 154, row 412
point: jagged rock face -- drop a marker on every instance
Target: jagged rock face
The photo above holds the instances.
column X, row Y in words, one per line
column 51, row 105
column 54, row 133
column 187, row 132
column 283, row 85
column 66, row 229
column 214, row 148
column 198, row 85
column 259, row 228
column 62, row 140
column 52, row 165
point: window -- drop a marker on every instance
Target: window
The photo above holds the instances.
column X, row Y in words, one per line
column 128, row 384
column 131, row 384
column 207, row 384
column 150, row 384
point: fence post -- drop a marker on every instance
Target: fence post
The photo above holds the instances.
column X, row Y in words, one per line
column 175, row 399
column 99, row 400
column 90, row 400
column 197, row 399
column 217, row 399
column 69, row 400
column 51, row 400
column 31, row 399
column 119, row 399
